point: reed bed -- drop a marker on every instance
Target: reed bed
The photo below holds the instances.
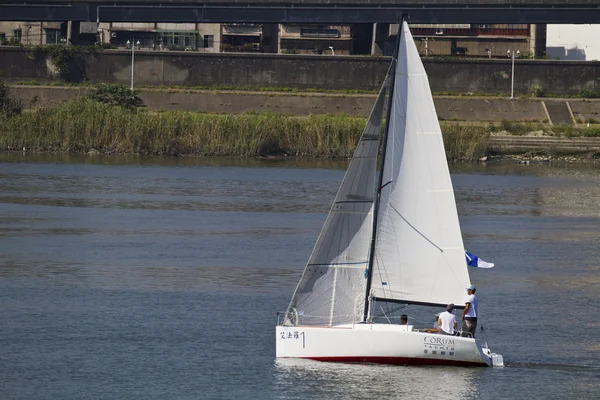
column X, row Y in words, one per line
column 83, row 126
column 465, row 142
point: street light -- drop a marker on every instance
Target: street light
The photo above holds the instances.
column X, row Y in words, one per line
column 332, row 52
column 132, row 58
column 512, row 80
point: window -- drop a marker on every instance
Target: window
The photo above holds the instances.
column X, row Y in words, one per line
column 209, row 41
column 190, row 40
column 2, row 38
column 17, row 35
column 53, row 36
column 319, row 33
column 179, row 39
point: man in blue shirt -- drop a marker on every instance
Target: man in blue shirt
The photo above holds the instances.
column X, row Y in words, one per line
column 470, row 313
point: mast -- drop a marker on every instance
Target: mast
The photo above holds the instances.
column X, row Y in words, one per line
column 381, row 166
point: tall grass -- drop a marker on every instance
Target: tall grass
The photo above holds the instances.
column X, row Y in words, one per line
column 465, row 142
column 83, row 125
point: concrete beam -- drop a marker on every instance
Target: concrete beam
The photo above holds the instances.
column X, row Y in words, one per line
column 181, row 13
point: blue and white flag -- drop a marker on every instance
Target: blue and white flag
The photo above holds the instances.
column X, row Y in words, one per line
column 474, row 261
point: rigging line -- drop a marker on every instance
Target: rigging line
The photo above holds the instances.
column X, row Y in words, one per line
column 398, row 307
column 385, row 315
column 384, row 140
column 349, row 212
column 415, row 229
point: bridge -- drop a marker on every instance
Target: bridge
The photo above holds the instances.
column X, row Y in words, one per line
column 304, row 11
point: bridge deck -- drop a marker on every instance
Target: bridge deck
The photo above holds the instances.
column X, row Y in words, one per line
column 546, row 4
column 304, row 11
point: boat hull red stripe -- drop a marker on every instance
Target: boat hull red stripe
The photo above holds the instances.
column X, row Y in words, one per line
column 398, row 361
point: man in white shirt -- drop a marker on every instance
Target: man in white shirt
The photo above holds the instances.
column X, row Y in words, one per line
column 470, row 313
column 446, row 322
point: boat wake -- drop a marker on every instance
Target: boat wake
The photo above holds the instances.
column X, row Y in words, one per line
column 550, row 366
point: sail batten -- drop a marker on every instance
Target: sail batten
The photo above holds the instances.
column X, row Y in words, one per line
column 360, row 264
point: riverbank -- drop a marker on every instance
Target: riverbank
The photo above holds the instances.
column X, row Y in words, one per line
column 465, row 108
column 86, row 126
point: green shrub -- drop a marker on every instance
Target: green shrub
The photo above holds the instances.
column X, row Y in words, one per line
column 8, row 105
column 117, row 95
column 589, row 94
column 536, row 90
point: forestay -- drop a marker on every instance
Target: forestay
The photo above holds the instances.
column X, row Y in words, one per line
column 333, row 285
column 419, row 254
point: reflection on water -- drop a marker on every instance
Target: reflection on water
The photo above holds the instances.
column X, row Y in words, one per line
column 165, row 277
column 539, row 190
column 346, row 381
column 133, row 277
column 256, row 162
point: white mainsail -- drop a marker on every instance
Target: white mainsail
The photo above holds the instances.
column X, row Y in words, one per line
column 419, row 254
column 333, row 286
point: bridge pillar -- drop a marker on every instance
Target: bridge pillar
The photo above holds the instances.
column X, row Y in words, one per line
column 270, row 38
column 540, row 39
column 69, row 32
column 380, row 33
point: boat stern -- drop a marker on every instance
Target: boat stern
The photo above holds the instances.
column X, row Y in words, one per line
column 494, row 359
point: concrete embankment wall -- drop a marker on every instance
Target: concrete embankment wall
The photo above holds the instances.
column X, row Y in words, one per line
column 298, row 71
column 448, row 108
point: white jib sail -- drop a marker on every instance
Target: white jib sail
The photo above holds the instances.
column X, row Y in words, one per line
column 419, row 253
column 333, row 285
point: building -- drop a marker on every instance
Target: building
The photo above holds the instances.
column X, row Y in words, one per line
column 467, row 40
column 573, row 42
column 162, row 36
column 315, row 39
column 241, row 37
column 32, row 33
column 479, row 40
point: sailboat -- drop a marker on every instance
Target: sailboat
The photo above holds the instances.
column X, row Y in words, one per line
column 392, row 237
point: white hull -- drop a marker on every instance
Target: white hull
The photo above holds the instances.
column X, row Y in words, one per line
column 380, row 343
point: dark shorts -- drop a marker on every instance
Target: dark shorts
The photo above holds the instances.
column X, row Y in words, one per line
column 470, row 326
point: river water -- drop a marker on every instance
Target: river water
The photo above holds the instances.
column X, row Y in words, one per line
column 133, row 278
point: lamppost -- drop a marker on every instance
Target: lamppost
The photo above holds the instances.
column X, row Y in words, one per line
column 332, row 52
column 512, row 80
column 132, row 57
